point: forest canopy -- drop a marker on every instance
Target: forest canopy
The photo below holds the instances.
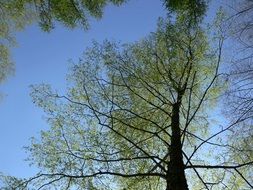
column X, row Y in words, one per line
column 141, row 115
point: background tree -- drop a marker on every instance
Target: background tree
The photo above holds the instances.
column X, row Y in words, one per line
column 13, row 17
column 16, row 14
column 239, row 95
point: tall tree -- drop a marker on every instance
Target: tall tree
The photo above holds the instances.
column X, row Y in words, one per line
column 135, row 114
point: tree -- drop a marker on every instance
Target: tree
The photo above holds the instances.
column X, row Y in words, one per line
column 240, row 75
column 239, row 95
column 241, row 15
column 135, row 117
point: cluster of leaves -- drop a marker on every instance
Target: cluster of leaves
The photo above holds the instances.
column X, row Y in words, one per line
column 71, row 13
column 13, row 16
column 194, row 8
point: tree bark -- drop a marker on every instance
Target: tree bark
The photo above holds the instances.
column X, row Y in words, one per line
column 176, row 179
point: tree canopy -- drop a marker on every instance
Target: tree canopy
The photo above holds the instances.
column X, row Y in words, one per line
column 135, row 116
column 17, row 14
column 140, row 115
column 13, row 17
column 194, row 8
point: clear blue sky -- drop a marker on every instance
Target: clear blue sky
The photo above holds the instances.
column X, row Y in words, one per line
column 43, row 58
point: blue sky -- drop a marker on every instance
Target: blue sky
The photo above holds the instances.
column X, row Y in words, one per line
column 43, row 58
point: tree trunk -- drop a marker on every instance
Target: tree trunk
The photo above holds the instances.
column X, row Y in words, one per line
column 176, row 177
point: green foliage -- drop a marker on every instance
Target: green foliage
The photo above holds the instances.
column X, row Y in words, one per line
column 6, row 66
column 71, row 13
column 12, row 183
column 16, row 14
column 195, row 9
column 13, row 16
column 112, row 130
column 116, row 115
